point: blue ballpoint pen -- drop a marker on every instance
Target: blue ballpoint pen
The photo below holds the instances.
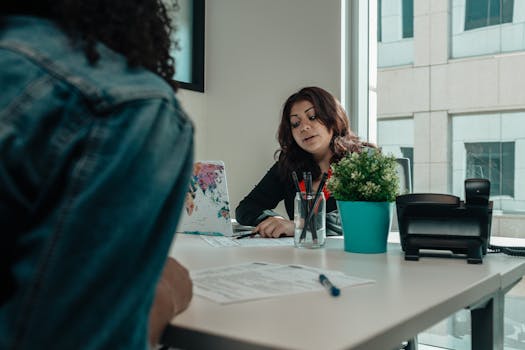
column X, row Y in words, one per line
column 334, row 291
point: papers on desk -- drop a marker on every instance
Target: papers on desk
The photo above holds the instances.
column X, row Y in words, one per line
column 258, row 280
column 221, row 241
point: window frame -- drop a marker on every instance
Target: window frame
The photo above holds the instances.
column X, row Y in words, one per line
column 196, row 82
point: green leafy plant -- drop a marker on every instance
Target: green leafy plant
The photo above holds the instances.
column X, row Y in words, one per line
column 369, row 176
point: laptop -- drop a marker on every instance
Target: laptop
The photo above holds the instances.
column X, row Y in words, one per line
column 206, row 205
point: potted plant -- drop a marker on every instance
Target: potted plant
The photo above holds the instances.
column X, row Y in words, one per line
column 365, row 185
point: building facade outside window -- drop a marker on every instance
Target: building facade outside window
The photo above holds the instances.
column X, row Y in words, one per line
column 467, row 116
column 456, row 100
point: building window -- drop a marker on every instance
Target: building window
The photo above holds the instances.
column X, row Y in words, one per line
column 396, row 137
column 395, row 32
column 483, row 13
column 379, row 26
column 408, row 18
column 493, row 161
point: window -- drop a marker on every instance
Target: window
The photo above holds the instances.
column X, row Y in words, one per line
column 491, row 146
column 395, row 32
column 408, row 18
column 486, row 27
column 452, row 130
column 379, row 26
column 189, row 49
column 396, row 137
column 493, row 161
column 483, row 13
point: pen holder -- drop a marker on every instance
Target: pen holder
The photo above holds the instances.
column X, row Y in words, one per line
column 310, row 220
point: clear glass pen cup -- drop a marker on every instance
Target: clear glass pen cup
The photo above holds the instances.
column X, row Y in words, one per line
column 310, row 220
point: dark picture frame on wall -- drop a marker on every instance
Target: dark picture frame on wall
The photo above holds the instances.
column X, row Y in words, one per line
column 189, row 58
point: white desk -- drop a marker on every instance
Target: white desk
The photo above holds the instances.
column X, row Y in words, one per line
column 407, row 298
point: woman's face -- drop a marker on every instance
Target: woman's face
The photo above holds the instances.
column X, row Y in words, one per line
column 308, row 132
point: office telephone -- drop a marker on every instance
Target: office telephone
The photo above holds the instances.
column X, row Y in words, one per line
column 429, row 221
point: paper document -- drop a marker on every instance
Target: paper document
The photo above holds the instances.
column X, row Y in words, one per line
column 220, row 241
column 258, row 280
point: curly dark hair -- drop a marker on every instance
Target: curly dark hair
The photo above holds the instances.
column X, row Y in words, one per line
column 139, row 30
column 331, row 114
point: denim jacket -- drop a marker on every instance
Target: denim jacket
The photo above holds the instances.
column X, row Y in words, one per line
column 94, row 164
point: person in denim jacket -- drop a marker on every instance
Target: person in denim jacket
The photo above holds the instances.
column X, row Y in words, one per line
column 95, row 158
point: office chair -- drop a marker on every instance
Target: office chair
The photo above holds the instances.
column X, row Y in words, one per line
column 405, row 184
column 404, row 173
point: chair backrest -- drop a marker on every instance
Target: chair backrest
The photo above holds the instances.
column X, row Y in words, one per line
column 405, row 178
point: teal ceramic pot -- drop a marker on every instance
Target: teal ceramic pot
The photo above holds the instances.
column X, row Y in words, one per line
column 365, row 225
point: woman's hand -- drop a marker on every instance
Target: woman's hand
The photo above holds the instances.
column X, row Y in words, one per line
column 275, row 227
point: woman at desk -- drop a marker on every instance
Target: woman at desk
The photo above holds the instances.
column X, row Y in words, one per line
column 313, row 133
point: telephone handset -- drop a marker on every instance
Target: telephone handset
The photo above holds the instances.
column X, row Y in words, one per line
column 477, row 192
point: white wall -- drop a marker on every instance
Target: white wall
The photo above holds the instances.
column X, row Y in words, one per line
column 258, row 52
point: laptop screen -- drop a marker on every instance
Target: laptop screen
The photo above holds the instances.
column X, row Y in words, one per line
column 207, row 206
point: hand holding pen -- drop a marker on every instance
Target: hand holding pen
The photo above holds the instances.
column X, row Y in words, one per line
column 247, row 234
column 274, row 227
column 253, row 234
